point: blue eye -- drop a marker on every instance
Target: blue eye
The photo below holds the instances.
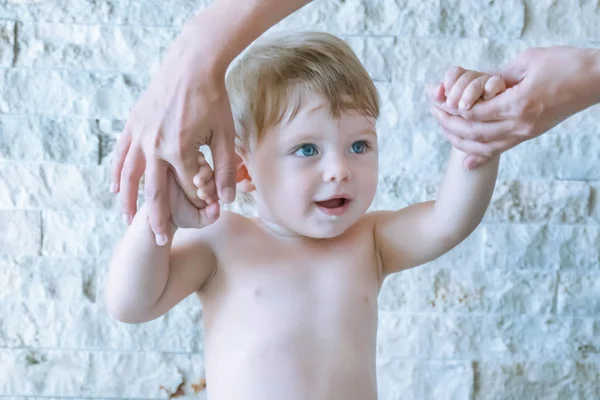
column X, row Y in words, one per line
column 306, row 150
column 359, row 147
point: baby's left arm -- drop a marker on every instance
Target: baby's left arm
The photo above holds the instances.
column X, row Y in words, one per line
column 424, row 231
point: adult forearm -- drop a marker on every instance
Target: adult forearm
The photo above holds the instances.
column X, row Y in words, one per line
column 231, row 25
column 464, row 196
column 138, row 271
column 594, row 74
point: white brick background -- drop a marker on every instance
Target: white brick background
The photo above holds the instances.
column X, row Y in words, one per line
column 512, row 313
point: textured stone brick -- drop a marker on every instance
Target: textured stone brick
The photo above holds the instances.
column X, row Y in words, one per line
column 433, row 18
column 544, row 380
column 82, row 325
column 54, row 186
column 569, row 156
column 430, row 336
column 84, row 11
column 528, row 380
column 514, row 201
column 38, row 324
column 542, row 337
column 36, row 139
column 7, row 43
column 449, row 289
column 140, row 48
column 97, row 47
column 48, row 279
column 81, row 233
column 559, row 20
column 428, row 59
column 518, row 337
column 376, row 54
column 555, row 201
column 180, row 330
column 40, row 373
column 21, row 232
column 595, row 202
column 157, row 12
column 578, row 293
column 94, row 374
column 90, row 94
column 446, row 18
column 542, row 246
column 417, row 380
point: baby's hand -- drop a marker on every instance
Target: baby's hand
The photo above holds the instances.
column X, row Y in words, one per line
column 205, row 181
column 463, row 88
column 183, row 213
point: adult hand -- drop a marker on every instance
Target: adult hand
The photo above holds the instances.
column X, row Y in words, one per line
column 185, row 106
column 545, row 87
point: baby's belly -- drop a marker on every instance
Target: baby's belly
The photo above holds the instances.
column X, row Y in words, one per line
column 271, row 355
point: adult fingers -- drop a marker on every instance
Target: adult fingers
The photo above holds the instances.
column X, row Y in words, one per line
column 185, row 170
column 222, row 147
column 473, row 130
column 131, row 174
column 480, row 149
column 121, row 149
column 157, row 199
column 472, row 161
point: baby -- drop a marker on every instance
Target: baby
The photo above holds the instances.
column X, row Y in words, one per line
column 290, row 297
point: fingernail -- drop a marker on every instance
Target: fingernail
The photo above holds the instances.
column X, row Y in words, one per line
column 463, row 105
column 113, row 187
column 213, row 212
column 228, row 194
column 161, row 240
column 126, row 219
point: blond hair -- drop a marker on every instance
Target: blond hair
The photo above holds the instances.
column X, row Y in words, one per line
column 267, row 83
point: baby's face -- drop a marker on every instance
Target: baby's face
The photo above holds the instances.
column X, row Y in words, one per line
column 315, row 175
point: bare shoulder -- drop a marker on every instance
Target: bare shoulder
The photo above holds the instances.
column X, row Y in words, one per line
column 220, row 230
column 371, row 219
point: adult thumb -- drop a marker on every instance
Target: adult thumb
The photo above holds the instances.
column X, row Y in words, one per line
column 222, row 148
column 514, row 72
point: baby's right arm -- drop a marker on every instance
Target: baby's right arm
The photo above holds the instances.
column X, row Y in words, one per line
column 146, row 280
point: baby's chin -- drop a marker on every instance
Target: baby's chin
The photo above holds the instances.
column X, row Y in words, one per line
column 331, row 229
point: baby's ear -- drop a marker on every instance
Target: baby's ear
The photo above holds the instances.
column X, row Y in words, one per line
column 242, row 176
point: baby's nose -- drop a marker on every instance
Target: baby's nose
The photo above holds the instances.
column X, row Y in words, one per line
column 337, row 171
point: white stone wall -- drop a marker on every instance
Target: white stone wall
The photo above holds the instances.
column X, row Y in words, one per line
column 512, row 313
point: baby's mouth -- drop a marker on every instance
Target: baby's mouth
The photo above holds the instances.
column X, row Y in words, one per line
column 334, row 207
column 333, row 203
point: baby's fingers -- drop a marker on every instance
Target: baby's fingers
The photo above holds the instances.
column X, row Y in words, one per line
column 208, row 192
column 204, row 175
column 205, row 182
column 493, row 87
column 473, row 92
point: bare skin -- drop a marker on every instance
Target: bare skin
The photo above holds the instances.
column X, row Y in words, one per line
column 294, row 330
column 290, row 298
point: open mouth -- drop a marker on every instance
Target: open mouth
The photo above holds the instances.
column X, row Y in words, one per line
column 335, row 206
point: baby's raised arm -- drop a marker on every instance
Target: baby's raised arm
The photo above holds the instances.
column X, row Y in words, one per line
column 422, row 232
column 146, row 280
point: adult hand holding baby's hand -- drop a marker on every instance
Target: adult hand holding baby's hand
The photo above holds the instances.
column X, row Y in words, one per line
column 545, row 87
column 185, row 106
column 183, row 213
